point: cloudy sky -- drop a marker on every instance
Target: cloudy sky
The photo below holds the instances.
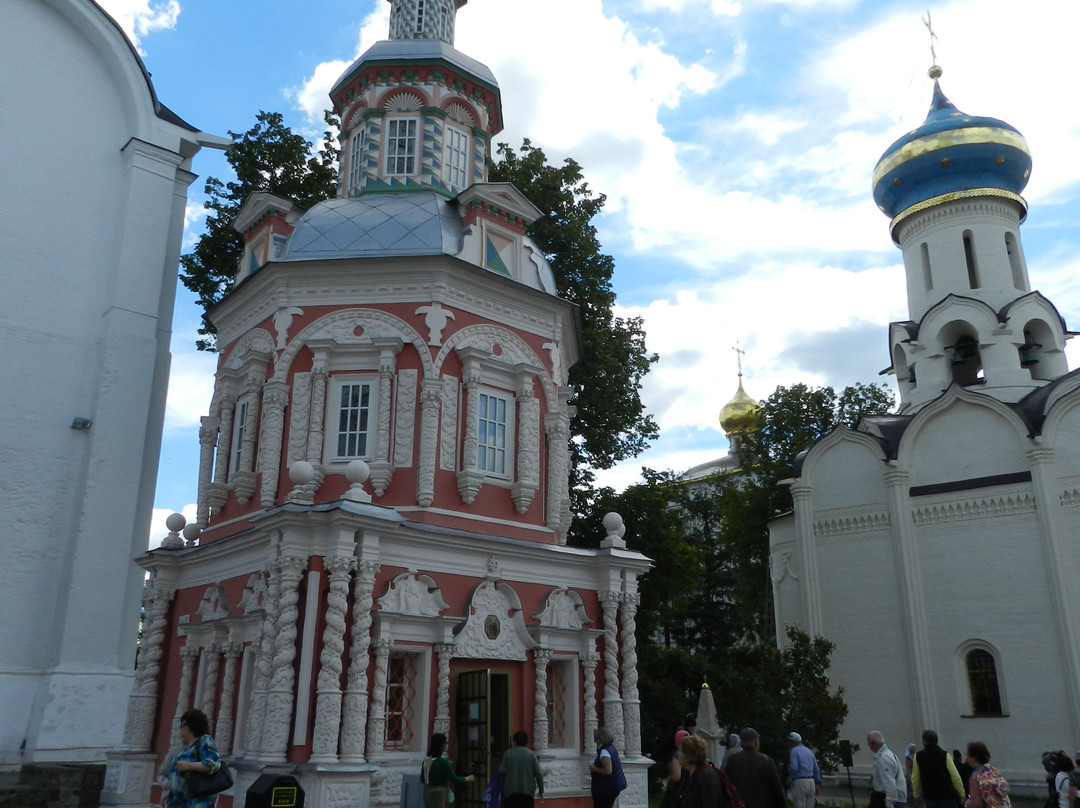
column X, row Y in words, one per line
column 734, row 140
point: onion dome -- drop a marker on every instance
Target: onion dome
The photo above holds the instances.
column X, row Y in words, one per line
column 951, row 156
column 741, row 414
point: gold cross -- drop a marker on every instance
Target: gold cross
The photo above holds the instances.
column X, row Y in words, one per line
column 740, row 353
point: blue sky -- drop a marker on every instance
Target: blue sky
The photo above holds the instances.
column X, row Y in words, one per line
column 735, row 142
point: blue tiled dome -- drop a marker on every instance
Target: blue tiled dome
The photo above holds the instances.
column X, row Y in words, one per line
column 951, row 154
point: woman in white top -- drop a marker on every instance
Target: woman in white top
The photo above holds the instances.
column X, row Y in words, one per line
column 1066, row 791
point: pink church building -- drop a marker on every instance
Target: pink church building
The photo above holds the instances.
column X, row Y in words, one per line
column 380, row 550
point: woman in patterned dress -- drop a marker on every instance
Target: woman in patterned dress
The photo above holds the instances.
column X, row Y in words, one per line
column 198, row 755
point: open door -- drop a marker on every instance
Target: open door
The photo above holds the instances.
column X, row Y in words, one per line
column 482, row 730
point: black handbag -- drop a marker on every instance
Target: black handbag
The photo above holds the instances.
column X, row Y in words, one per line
column 202, row 784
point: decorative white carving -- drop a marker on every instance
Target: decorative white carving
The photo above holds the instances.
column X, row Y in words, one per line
column 563, row 608
column 459, row 112
column 214, row 604
column 541, row 658
column 558, row 373
column 315, row 426
column 445, row 652
column 210, row 682
column 404, row 102
column 254, row 597
column 324, row 743
column 515, row 351
column 528, row 446
column 986, row 507
column 344, row 795
column 219, row 488
column 142, row 703
column 449, row 429
column 613, row 715
column 243, row 479
column 223, row 732
column 208, row 431
column 631, row 703
column 415, row 594
column 188, row 655
column 854, row 523
column 300, row 412
column 591, row 722
column 275, row 397
column 470, row 478
column 264, row 660
column 430, row 400
column 558, row 483
column 784, row 568
column 494, row 626
column 377, row 720
column 255, row 344
column 356, row 118
column 354, row 709
column 436, row 319
column 406, row 418
column 283, row 318
column 280, row 692
column 382, row 470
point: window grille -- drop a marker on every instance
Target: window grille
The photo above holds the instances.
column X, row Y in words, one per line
column 400, row 695
column 354, row 420
column 401, row 147
column 491, row 435
column 983, row 682
column 557, row 708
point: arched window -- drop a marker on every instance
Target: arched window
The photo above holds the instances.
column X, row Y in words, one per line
column 983, row 683
column 965, row 361
column 969, row 258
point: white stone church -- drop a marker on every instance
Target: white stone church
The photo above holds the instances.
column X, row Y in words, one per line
column 938, row 547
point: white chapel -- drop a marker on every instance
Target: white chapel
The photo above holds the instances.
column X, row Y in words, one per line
column 937, row 547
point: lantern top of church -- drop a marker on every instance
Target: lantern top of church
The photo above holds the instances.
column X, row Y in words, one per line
column 951, row 155
column 424, row 19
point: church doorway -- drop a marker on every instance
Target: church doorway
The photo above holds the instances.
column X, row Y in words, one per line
column 482, row 729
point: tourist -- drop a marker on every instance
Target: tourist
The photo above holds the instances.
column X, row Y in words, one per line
column 934, row 778
column 803, row 773
column 734, row 746
column 700, row 785
column 690, row 724
column 1063, row 787
column 675, row 770
column 520, row 773
column 987, row 788
column 608, row 779
column 437, row 775
column 909, row 764
column 754, row 774
column 887, row 786
column 963, row 769
column 198, row 755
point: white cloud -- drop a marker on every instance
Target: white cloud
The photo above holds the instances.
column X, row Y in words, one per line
column 137, row 18
column 191, row 383
column 158, row 530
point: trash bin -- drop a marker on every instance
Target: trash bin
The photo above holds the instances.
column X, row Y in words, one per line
column 275, row 791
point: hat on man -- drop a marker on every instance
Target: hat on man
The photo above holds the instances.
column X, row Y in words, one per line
column 796, row 737
column 748, row 734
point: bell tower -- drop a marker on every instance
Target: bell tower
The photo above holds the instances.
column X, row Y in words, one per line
column 424, row 19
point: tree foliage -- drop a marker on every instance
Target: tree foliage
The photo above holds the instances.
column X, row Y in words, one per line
column 267, row 157
column 611, row 423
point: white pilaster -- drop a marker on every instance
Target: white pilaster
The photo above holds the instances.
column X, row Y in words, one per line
column 541, row 659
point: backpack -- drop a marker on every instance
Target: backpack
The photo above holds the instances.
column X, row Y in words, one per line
column 993, row 787
column 731, row 798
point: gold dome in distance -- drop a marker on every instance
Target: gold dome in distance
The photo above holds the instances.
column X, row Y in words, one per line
column 741, row 414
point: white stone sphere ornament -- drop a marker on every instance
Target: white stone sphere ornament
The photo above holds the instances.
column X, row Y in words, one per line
column 357, row 473
column 302, row 473
column 615, row 528
column 192, row 533
column 175, row 523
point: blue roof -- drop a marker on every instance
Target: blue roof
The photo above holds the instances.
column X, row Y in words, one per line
column 951, row 152
column 416, row 223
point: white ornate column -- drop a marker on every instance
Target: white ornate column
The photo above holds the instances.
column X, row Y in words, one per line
column 265, row 660
column 557, row 507
column 208, row 432
column 142, row 703
column 188, row 655
column 324, row 742
column 631, row 702
column 1056, row 551
column 906, row 558
column 590, row 721
column 275, row 399
column 219, row 488
column 528, row 444
column 212, row 653
column 470, row 478
column 281, row 691
column 540, row 733
column 431, row 391
column 613, row 708
column 445, row 652
column 382, row 469
column 355, row 705
column 376, row 727
column 316, row 425
column 226, row 719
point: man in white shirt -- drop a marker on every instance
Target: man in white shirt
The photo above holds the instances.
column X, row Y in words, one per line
column 887, row 787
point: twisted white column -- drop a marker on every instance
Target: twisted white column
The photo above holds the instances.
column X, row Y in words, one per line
column 445, row 652
column 376, row 735
column 188, row 655
column 223, row 736
column 541, row 730
column 590, row 722
column 210, row 677
column 324, row 743
column 264, row 660
column 142, row 703
column 631, row 702
column 208, row 432
column 280, row 693
column 355, row 705
column 613, row 708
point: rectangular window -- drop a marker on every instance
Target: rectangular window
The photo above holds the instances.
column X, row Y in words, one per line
column 239, row 425
column 356, row 149
column 354, row 419
column 455, row 157
column 400, row 147
column 558, row 707
column 400, row 699
column 491, row 435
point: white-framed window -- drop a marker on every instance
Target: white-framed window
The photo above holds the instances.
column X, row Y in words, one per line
column 401, row 703
column 455, row 157
column 236, row 450
column 494, row 447
column 401, row 145
column 352, row 405
column 982, row 687
column 356, row 150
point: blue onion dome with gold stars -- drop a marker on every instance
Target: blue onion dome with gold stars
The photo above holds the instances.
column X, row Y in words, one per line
column 952, row 155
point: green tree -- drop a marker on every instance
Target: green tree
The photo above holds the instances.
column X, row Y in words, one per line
column 267, row 157
column 611, row 423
